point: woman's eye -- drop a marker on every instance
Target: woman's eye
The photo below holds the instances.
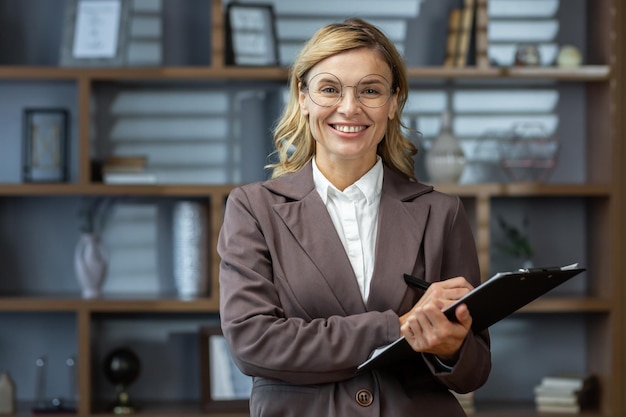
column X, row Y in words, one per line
column 370, row 92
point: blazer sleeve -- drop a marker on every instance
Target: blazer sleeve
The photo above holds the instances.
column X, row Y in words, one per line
column 459, row 259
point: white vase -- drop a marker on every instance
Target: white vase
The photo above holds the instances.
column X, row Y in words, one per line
column 445, row 160
column 7, row 394
column 90, row 264
column 191, row 249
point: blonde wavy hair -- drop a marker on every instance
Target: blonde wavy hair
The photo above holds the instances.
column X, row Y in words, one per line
column 294, row 143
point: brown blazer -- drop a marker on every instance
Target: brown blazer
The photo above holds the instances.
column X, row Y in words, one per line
column 295, row 320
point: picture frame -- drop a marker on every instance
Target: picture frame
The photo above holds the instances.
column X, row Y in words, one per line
column 45, row 145
column 251, row 35
column 224, row 388
column 95, row 33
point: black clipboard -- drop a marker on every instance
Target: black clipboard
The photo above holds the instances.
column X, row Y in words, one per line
column 493, row 300
column 506, row 292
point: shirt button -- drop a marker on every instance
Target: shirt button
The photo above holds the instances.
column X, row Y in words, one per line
column 364, row 398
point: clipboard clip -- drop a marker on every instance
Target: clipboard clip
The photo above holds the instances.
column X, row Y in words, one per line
column 550, row 268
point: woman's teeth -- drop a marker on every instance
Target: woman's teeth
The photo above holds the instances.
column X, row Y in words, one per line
column 348, row 129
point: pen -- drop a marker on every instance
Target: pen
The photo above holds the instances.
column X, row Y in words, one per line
column 416, row 282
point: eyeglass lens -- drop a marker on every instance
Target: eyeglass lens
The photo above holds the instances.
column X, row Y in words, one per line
column 326, row 90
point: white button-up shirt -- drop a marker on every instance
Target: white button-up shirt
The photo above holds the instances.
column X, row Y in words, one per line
column 354, row 212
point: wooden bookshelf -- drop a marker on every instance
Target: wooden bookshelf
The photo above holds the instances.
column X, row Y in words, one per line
column 604, row 193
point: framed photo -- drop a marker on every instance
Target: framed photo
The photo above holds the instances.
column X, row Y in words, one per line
column 224, row 386
column 251, row 35
column 45, row 154
column 95, row 33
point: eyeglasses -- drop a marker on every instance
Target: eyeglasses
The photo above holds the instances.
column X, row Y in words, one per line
column 326, row 90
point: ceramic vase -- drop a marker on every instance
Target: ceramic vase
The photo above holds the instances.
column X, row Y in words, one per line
column 191, row 249
column 445, row 160
column 91, row 264
column 7, row 394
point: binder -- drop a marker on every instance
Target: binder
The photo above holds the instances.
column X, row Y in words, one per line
column 493, row 300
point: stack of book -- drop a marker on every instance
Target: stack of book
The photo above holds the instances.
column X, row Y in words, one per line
column 460, row 31
column 466, row 401
column 127, row 170
column 566, row 393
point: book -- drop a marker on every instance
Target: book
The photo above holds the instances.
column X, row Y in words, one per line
column 127, row 170
column 558, row 408
column 566, row 381
column 466, row 401
column 542, row 391
column 567, row 393
column 122, row 168
column 454, row 22
column 465, row 33
column 493, row 300
column 129, row 178
column 564, row 400
column 126, row 161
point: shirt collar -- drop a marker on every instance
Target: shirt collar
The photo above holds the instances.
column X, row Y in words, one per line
column 370, row 184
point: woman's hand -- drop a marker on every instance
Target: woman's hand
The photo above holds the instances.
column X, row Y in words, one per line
column 428, row 330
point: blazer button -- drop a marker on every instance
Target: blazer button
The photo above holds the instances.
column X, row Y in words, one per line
column 364, row 398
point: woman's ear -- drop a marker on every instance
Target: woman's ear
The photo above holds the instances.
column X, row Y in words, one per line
column 394, row 104
column 302, row 100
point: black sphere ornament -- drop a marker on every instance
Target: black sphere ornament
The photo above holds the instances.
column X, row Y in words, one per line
column 122, row 367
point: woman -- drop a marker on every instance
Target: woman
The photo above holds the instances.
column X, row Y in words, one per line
column 312, row 261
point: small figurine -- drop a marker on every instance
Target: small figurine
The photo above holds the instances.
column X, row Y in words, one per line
column 527, row 56
column 569, row 57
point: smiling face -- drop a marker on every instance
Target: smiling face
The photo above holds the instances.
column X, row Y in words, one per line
column 347, row 133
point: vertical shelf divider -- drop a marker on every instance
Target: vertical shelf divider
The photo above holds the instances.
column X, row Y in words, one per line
column 218, row 27
column 84, row 124
column 84, row 383
column 483, row 215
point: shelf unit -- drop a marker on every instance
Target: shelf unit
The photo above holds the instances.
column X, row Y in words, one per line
column 603, row 194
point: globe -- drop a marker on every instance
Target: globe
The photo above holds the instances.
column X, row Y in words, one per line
column 122, row 366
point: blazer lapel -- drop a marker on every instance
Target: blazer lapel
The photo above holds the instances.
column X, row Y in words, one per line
column 310, row 224
column 401, row 225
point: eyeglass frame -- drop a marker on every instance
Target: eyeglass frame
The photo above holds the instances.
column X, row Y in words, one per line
column 392, row 90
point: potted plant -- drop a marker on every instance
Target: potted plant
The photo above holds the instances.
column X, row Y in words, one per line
column 516, row 243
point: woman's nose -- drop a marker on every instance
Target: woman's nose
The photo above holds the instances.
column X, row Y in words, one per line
column 348, row 102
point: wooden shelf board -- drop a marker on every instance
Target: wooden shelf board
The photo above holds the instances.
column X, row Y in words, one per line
column 483, row 408
column 583, row 73
column 167, row 409
column 452, row 73
column 126, row 304
column 520, row 409
column 26, row 408
column 526, row 190
column 142, row 73
column 561, row 190
column 587, row 72
column 130, row 304
column 469, row 190
column 568, row 305
column 43, row 73
column 104, row 189
column 190, row 73
column 43, row 302
column 172, row 303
